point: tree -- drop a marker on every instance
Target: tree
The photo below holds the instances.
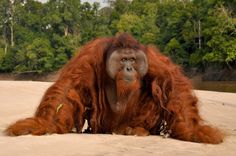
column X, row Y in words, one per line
column 37, row 57
column 63, row 16
column 221, row 33
column 193, row 33
column 130, row 23
column 176, row 52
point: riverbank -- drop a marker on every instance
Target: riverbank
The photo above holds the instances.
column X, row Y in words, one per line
column 19, row 99
column 198, row 81
column 221, row 86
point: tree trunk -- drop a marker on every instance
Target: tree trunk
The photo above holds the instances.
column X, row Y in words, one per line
column 66, row 31
column 199, row 35
column 5, row 49
column 4, row 35
column 12, row 22
column 12, row 34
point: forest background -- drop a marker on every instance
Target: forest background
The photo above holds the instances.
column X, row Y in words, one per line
column 41, row 37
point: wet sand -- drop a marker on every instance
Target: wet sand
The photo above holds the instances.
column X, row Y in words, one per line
column 19, row 99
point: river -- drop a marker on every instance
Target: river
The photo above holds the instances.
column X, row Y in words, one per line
column 221, row 86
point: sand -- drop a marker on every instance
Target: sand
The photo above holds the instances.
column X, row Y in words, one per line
column 19, row 99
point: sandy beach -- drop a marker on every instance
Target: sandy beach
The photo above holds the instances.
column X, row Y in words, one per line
column 19, row 99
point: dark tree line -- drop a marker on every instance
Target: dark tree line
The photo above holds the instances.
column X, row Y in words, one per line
column 41, row 37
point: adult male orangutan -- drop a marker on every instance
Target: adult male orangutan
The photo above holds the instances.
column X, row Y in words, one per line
column 120, row 86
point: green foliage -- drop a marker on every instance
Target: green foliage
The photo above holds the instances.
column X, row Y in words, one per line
column 195, row 59
column 46, row 35
column 6, row 60
column 2, row 54
column 130, row 23
column 175, row 51
column 37, row 57
column 221, row 33
column 64, row 48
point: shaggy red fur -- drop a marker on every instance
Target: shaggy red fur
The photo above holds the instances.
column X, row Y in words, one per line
column 163, row 101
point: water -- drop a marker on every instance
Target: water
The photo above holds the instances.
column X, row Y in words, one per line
column 221, row 86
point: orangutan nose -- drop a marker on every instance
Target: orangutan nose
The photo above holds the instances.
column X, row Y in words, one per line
column 129, row 69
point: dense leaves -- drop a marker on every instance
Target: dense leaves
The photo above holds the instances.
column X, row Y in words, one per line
column 41, row 37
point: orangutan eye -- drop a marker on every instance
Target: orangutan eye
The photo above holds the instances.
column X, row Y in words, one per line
column 132, row 60
column 123, row 60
